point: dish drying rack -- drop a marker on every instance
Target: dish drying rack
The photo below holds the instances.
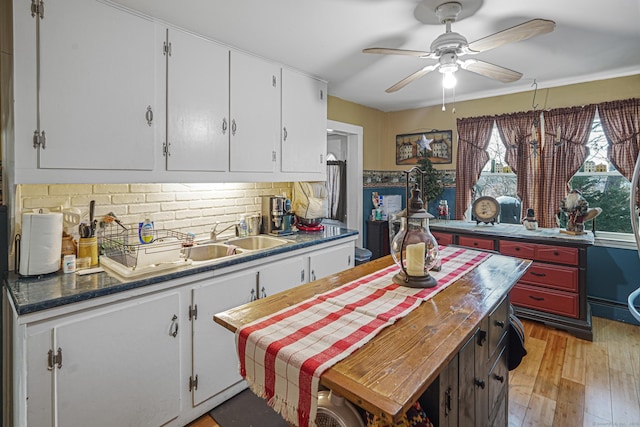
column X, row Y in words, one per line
column 121, row 243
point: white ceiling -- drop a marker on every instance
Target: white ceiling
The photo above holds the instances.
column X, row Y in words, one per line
column 593, row 39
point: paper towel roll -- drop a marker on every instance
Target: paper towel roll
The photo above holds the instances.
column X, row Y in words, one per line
column 41, row 243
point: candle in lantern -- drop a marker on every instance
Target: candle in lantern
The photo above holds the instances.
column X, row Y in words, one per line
column 415, row 259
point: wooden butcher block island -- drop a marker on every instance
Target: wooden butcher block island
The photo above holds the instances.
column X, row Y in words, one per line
column 451, row 350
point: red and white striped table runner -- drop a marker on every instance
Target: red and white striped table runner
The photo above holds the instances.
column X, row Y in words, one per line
column 283, row 355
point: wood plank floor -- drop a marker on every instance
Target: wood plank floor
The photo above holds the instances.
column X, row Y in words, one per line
column 568, row 382
column 565, row 381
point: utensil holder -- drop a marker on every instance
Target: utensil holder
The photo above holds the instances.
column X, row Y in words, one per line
column 88, row 247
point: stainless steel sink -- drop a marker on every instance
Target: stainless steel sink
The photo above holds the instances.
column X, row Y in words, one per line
column 254, row 243
column 209, row 252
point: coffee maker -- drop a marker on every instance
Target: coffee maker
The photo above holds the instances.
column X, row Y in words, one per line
column 276, row 218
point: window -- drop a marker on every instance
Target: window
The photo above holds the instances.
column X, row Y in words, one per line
column 498, row 180
column 600, row 183
column 603, row 186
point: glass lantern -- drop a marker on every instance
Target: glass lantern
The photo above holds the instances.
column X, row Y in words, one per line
column 414, row 249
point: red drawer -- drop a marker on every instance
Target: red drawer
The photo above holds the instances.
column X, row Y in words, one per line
column 549, row 300
column 557, row 254
column 519, row 250
column 537, row 252
column 443, row 238
column 476, row 242
column 552, row 276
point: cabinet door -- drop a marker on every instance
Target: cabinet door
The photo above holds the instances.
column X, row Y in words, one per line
column 255, row 114
column 215, row 360
column 467, row 384
column 39, row 396
column 281, row 276
column 97, row 82
column 304, row 123
column 329, row 261
column 197, row 104
column 120, row 366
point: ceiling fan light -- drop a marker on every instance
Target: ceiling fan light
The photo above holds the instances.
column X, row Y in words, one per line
column 449, row 80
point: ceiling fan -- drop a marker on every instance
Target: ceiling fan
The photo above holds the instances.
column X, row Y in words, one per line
column 448, row 47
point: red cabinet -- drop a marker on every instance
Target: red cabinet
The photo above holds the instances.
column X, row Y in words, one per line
column 554, row 289
column 476, row 242
column 552, row 282
column 443, row 238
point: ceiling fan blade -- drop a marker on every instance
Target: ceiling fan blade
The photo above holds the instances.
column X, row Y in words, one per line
column 524, row 31
column 386, row 51
column 421, row 72
column 492, row 71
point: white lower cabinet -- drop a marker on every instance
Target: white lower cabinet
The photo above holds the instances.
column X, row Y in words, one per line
column 114, row 366
column 281, row 276
column 138, row 361
column 215, row 363
column 325, row 262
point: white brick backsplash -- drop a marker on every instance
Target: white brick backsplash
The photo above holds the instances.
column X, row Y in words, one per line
column 187, row 214
column 145, row 188
column 127, row 199
column 44, row 202
column 109, row 188
column 201, row 204
column 185, row 207
column 174, row 206
column 35, row 190
column 144, row 208
column 160, row 197
column 66, row 189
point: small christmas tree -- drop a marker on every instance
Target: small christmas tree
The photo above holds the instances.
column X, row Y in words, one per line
column 433, row 186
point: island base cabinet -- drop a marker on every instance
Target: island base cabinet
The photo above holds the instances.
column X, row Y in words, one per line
column 472, row 389
column 440, row 400
column 110, row 367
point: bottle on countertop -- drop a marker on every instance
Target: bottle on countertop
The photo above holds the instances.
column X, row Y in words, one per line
column 242, row 227
column 145, row 231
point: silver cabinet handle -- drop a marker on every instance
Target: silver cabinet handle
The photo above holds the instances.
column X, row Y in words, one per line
column 284, row 131
column 224, row 126
column 149, row 115
column 173, row 330
column 233, row 127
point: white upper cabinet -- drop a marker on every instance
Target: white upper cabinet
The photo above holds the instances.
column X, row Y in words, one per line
column 197, row 103
column 97, row 83
column 98, row 99
column 255, row 114
column 304, row 123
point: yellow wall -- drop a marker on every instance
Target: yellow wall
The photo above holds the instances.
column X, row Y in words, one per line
column 380, row 128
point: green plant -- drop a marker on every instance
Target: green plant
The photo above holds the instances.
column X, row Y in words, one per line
column 433, row 186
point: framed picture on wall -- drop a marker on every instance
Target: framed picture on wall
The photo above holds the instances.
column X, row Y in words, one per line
column 437, row 145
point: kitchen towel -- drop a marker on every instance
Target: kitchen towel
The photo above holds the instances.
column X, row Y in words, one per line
column 283, row 355
column 40, row 243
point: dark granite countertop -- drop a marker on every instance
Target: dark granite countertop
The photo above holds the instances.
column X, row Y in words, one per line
column 35, row 294
column 512, row 231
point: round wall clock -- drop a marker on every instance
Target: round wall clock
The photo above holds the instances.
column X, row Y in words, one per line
column 485, row 209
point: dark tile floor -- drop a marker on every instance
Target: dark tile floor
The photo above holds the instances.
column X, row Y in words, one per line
column 247, row 410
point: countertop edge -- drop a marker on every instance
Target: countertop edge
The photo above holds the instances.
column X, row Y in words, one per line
column 115, row 284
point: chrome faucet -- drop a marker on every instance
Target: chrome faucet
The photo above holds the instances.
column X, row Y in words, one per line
column 215, row 233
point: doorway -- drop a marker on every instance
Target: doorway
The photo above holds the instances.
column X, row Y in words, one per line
column 344, row 140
